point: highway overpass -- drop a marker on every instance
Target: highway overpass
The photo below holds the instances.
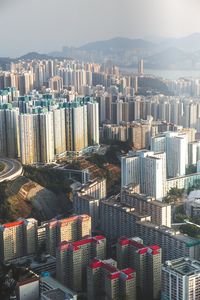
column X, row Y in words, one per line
column 12, row 169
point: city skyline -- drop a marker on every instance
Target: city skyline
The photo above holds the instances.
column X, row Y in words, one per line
column 163, row 19
column 100, row 150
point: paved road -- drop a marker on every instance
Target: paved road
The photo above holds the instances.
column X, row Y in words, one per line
column 12, row 170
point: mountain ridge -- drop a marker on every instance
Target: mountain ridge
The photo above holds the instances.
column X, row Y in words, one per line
column 164, row 53
column 120, row 42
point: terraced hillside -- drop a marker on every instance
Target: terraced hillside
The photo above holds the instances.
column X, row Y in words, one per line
column 24, row 197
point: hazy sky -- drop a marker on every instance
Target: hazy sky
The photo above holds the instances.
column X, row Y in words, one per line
column 47, row 25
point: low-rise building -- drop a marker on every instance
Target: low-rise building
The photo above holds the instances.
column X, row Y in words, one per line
column 51, row 289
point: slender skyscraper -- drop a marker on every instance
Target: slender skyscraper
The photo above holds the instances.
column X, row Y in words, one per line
column 80, row 132
column 141, row 67
column 59, row 126
column 46, row 137
column 29, row 138
column 93, row 123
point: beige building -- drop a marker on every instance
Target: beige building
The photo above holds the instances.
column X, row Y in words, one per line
column 18, row 239
column 146, row 261
column 80, row 129
column 160, row 212
column 59, row 129
column 70, row 229
column 105, row 281
column 46, row 137
column 140, row 136
column 190, row 132
column 56, row 84
column 29, row 138
column 95, row 188
column 73, row 258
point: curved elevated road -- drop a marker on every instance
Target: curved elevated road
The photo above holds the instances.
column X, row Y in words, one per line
column 12, row 170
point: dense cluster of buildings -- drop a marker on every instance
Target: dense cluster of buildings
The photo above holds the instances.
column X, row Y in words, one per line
column 74, row 253
column 41, row 101
column 121, row 247
column 83, row 266
column 165, row 165
column 49, row 131
column 41, row 127
column 60, row 74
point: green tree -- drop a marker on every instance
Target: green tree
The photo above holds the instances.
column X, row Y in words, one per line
column 191, row 169
column 190, row 230
column 179, row 218
column 174, row 196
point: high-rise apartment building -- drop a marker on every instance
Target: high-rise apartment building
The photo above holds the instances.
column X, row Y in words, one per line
column 95, row 188
column 78, row 123
column 59, row 129
column 146, row 168
column 140, row 136
column 193, row 152
column 37, row 137
column 69, row 128
column 25, row 83
column 160, row 212
column 130, row 170
column 117, row 219
column 147, row 263
column 73, row 259
column 9, row 131
column 56, row 84
column 29, row 138
column 3, row 142
column 86, row 199
column 190, row 133
column 12, row 132
column 153, row 175
column 93, row 123
column 122, row 212
column 43, row 131
column 181, row 279
column 141, row 67
column 173, row 243
column 130, row 215
column 80, row 129
column 86, row 204
column 46, row 137
column 70, row 229
column 18, row 239
column 105, row 281
column 175, row 145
